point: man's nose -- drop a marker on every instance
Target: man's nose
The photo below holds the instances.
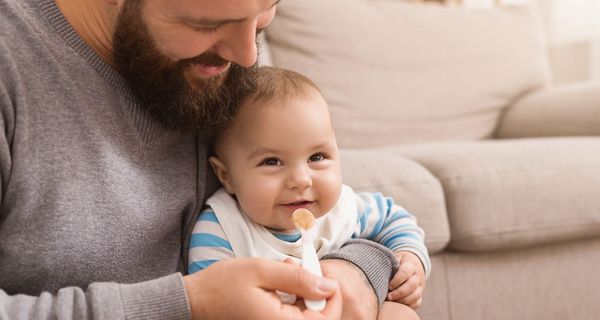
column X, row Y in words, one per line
column 239, row 46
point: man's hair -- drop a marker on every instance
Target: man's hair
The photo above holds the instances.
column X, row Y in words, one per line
column 270, row 84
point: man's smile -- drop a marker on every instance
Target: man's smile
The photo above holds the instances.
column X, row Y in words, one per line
column 206, row 71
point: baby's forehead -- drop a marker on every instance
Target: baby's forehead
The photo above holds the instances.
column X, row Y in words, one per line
column 299, row 103
column 282, row 98
column 255, row 114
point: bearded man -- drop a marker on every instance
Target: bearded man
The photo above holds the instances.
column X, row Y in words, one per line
column 106, row 106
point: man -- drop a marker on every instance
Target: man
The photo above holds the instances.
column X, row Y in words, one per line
column 105, row 108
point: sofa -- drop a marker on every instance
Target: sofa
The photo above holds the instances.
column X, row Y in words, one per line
column 452, row 112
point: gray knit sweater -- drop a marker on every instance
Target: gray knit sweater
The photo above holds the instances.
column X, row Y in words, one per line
column 97, row 199
column 93, row 190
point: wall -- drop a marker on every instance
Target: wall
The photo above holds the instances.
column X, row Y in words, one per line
column 573, row 32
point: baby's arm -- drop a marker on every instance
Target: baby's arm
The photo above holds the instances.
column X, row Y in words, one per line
column 208, row 243
column 381, row 220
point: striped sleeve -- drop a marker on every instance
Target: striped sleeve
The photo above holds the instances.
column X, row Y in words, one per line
column 383, row 221
column 208, row 243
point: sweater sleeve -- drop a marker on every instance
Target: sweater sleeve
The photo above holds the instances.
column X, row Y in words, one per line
column 7, row 117
column 383, row 221
column 377, row 263
column 162, row 298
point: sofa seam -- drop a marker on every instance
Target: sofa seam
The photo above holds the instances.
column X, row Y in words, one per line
column 400, row 183
column 448, row 291
column 507, row 173
column 482, row 233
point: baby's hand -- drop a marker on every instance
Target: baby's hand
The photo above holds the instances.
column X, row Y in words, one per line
column 408, row 283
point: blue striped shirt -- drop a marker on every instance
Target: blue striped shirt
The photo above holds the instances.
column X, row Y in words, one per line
column 379, row 219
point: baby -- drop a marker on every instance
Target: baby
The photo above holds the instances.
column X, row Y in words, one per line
column 279, row 154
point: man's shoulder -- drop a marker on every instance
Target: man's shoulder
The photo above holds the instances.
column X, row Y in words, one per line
column 19, row 18
column 5, row 6
column 26, row 38
column 12, row 11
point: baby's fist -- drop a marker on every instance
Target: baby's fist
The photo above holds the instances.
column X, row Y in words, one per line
column 407, row 285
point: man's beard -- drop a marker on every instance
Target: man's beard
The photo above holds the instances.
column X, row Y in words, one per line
column 160, row 85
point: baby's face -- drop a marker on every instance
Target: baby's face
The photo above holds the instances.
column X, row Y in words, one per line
column 281, row 158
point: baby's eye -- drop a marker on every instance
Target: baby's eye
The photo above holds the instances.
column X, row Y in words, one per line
column 316, row 157
column 270, row 162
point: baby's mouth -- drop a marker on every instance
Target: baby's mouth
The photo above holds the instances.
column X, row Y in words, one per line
column 298, row 204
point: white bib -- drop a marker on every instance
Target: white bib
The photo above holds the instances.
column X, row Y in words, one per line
column 249, row 239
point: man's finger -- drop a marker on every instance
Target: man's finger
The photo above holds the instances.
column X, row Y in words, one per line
column 291, row 261
column 293, row 279
column 332, row 311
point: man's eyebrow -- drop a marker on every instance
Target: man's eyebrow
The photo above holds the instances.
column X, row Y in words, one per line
column 208, row 22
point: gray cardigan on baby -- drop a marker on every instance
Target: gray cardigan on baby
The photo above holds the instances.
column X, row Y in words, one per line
column 97, row 198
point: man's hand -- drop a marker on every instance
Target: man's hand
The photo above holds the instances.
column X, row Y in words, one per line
column 245, row 289
column 359, row 300
column 408, row 283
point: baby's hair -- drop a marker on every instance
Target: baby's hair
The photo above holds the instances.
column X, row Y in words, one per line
column 278, row 84
column 271, row 83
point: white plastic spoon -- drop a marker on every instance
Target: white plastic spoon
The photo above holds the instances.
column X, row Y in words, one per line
column 304, row 220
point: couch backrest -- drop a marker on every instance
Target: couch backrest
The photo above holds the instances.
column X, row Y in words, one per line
column 395, row 72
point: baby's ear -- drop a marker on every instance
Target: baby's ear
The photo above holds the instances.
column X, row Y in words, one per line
column 221, row 172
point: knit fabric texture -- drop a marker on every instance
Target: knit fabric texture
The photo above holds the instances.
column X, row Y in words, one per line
column 379, row 268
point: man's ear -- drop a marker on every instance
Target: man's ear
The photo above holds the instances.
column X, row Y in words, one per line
column 221, row 172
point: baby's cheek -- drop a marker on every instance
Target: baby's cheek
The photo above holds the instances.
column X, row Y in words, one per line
column 331, row 194
column 258, row 196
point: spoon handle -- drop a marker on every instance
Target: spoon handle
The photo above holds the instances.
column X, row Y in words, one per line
column 310, row 262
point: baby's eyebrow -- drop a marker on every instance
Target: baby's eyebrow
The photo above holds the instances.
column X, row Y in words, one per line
column 324, row 145
column 261, row 152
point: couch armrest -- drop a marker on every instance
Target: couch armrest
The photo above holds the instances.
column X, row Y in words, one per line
column 566, row 110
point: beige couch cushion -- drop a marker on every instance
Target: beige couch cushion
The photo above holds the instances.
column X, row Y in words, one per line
column 515, row 193
column 394, row 72
column 567, row 110
column 407, row 182
column 554, row 282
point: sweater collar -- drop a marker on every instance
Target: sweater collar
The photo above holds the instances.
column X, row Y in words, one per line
column 147, row 129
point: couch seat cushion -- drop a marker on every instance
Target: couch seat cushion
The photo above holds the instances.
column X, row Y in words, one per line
column 407, row 182
column 502, row 194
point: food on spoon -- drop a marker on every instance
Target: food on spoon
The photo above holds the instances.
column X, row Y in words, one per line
column 303, row 219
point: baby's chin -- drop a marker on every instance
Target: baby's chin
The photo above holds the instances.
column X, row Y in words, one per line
column 282, row 229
